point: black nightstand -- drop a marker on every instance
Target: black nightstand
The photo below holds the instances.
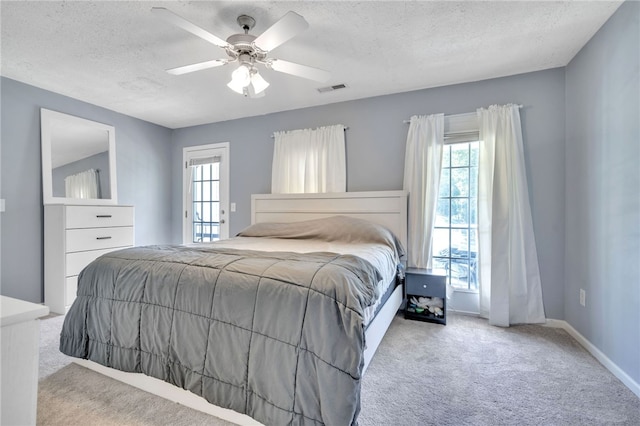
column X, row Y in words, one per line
column 424, row 283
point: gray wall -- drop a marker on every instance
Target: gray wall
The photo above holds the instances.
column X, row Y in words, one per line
column 603, row 190
column 375, row 152
column 143, row 157
column 98, row 162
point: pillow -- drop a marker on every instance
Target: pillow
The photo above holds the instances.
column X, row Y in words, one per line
column 335, row 228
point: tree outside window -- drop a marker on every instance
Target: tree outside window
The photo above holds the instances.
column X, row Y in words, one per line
column 455, row 237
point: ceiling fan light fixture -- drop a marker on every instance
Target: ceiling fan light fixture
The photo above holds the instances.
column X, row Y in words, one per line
column 259, row 84
column 248, row 50
column 236, row 87
column 250, row 92
column 240, row 79
column 246, row 80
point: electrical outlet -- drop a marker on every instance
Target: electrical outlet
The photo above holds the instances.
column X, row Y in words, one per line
column 583, row 296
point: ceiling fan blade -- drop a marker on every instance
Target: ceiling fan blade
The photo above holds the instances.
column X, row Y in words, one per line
column 290, row 25
column 178, row 21
column 197, row 67
column 299, row 70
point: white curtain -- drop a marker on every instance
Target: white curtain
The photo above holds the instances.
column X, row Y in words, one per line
column 510, row 288
column 83, row 185
column 422, row 164
column 309, row 160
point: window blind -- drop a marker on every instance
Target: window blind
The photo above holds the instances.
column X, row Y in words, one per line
column 204, row 160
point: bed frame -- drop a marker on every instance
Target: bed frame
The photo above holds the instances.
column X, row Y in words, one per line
column 388, row 208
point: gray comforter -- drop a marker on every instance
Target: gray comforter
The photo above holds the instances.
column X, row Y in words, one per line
column 278, row 336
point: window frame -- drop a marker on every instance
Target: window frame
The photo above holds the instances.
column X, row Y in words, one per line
column 203, row 151
column 462, row 128
column 451, row 226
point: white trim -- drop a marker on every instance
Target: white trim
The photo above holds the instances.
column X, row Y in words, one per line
column 47, row 118
column 225, row 165
column 597, row 354
column 464, row 313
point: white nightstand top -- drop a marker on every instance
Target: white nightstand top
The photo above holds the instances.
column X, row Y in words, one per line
column 13, row 311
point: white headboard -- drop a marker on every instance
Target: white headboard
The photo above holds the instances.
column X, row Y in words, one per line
column 387, row 208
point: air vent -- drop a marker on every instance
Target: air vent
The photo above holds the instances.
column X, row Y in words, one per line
column 332, row 88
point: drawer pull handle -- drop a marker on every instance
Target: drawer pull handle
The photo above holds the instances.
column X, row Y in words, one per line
column 103, row 216
column 103, row 238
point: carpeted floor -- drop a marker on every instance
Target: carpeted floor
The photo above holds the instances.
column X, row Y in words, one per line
column 465, row 373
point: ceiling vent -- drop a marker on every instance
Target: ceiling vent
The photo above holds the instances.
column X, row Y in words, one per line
column 332, row 88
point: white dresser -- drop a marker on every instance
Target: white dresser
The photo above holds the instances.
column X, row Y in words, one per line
column 75, row 235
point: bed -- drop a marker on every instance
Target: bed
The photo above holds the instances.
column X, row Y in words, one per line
column 291, row 340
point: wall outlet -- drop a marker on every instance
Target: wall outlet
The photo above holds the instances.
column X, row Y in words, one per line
column 583, row 296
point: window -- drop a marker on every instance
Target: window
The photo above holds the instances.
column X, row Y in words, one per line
column 205, row 198
column 206, row 186
column 455, row 237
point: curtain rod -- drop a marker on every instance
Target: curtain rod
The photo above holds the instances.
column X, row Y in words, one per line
column 409, row 121
column 315, row 128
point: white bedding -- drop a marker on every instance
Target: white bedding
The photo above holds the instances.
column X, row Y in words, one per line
column 379, row 255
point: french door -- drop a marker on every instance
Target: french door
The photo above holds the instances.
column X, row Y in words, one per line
column 206, row 193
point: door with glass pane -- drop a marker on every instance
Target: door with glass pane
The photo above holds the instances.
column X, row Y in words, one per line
column 206, row 189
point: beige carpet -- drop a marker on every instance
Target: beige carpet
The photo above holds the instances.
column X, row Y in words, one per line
column 465, row 373
column 78, row 396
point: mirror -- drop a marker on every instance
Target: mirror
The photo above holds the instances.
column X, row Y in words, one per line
column 78, row 160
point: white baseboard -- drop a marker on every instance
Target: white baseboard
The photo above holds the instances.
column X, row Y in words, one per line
column 597, row 354
column 465, row 313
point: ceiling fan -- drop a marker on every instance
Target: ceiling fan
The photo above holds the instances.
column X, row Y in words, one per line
column 249, row 51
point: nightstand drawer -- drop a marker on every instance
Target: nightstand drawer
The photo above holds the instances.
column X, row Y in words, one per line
column 425, row 295
column 425, row 285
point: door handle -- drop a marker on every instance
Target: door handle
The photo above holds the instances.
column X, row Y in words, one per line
column 221, row 221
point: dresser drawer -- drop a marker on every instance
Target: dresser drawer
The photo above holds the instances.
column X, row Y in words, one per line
column 74, row 236
column 98, row 238
column 78, row 260
column 98, row 216
column 425, row 284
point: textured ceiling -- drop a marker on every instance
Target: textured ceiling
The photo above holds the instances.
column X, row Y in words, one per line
column 114, row 53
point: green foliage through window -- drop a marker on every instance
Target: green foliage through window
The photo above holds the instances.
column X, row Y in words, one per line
column 455, row 234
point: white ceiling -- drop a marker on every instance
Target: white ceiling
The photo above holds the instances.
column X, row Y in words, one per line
column 113, row 53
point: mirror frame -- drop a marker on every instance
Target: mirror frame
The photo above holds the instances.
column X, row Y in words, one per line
column 47, row 118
